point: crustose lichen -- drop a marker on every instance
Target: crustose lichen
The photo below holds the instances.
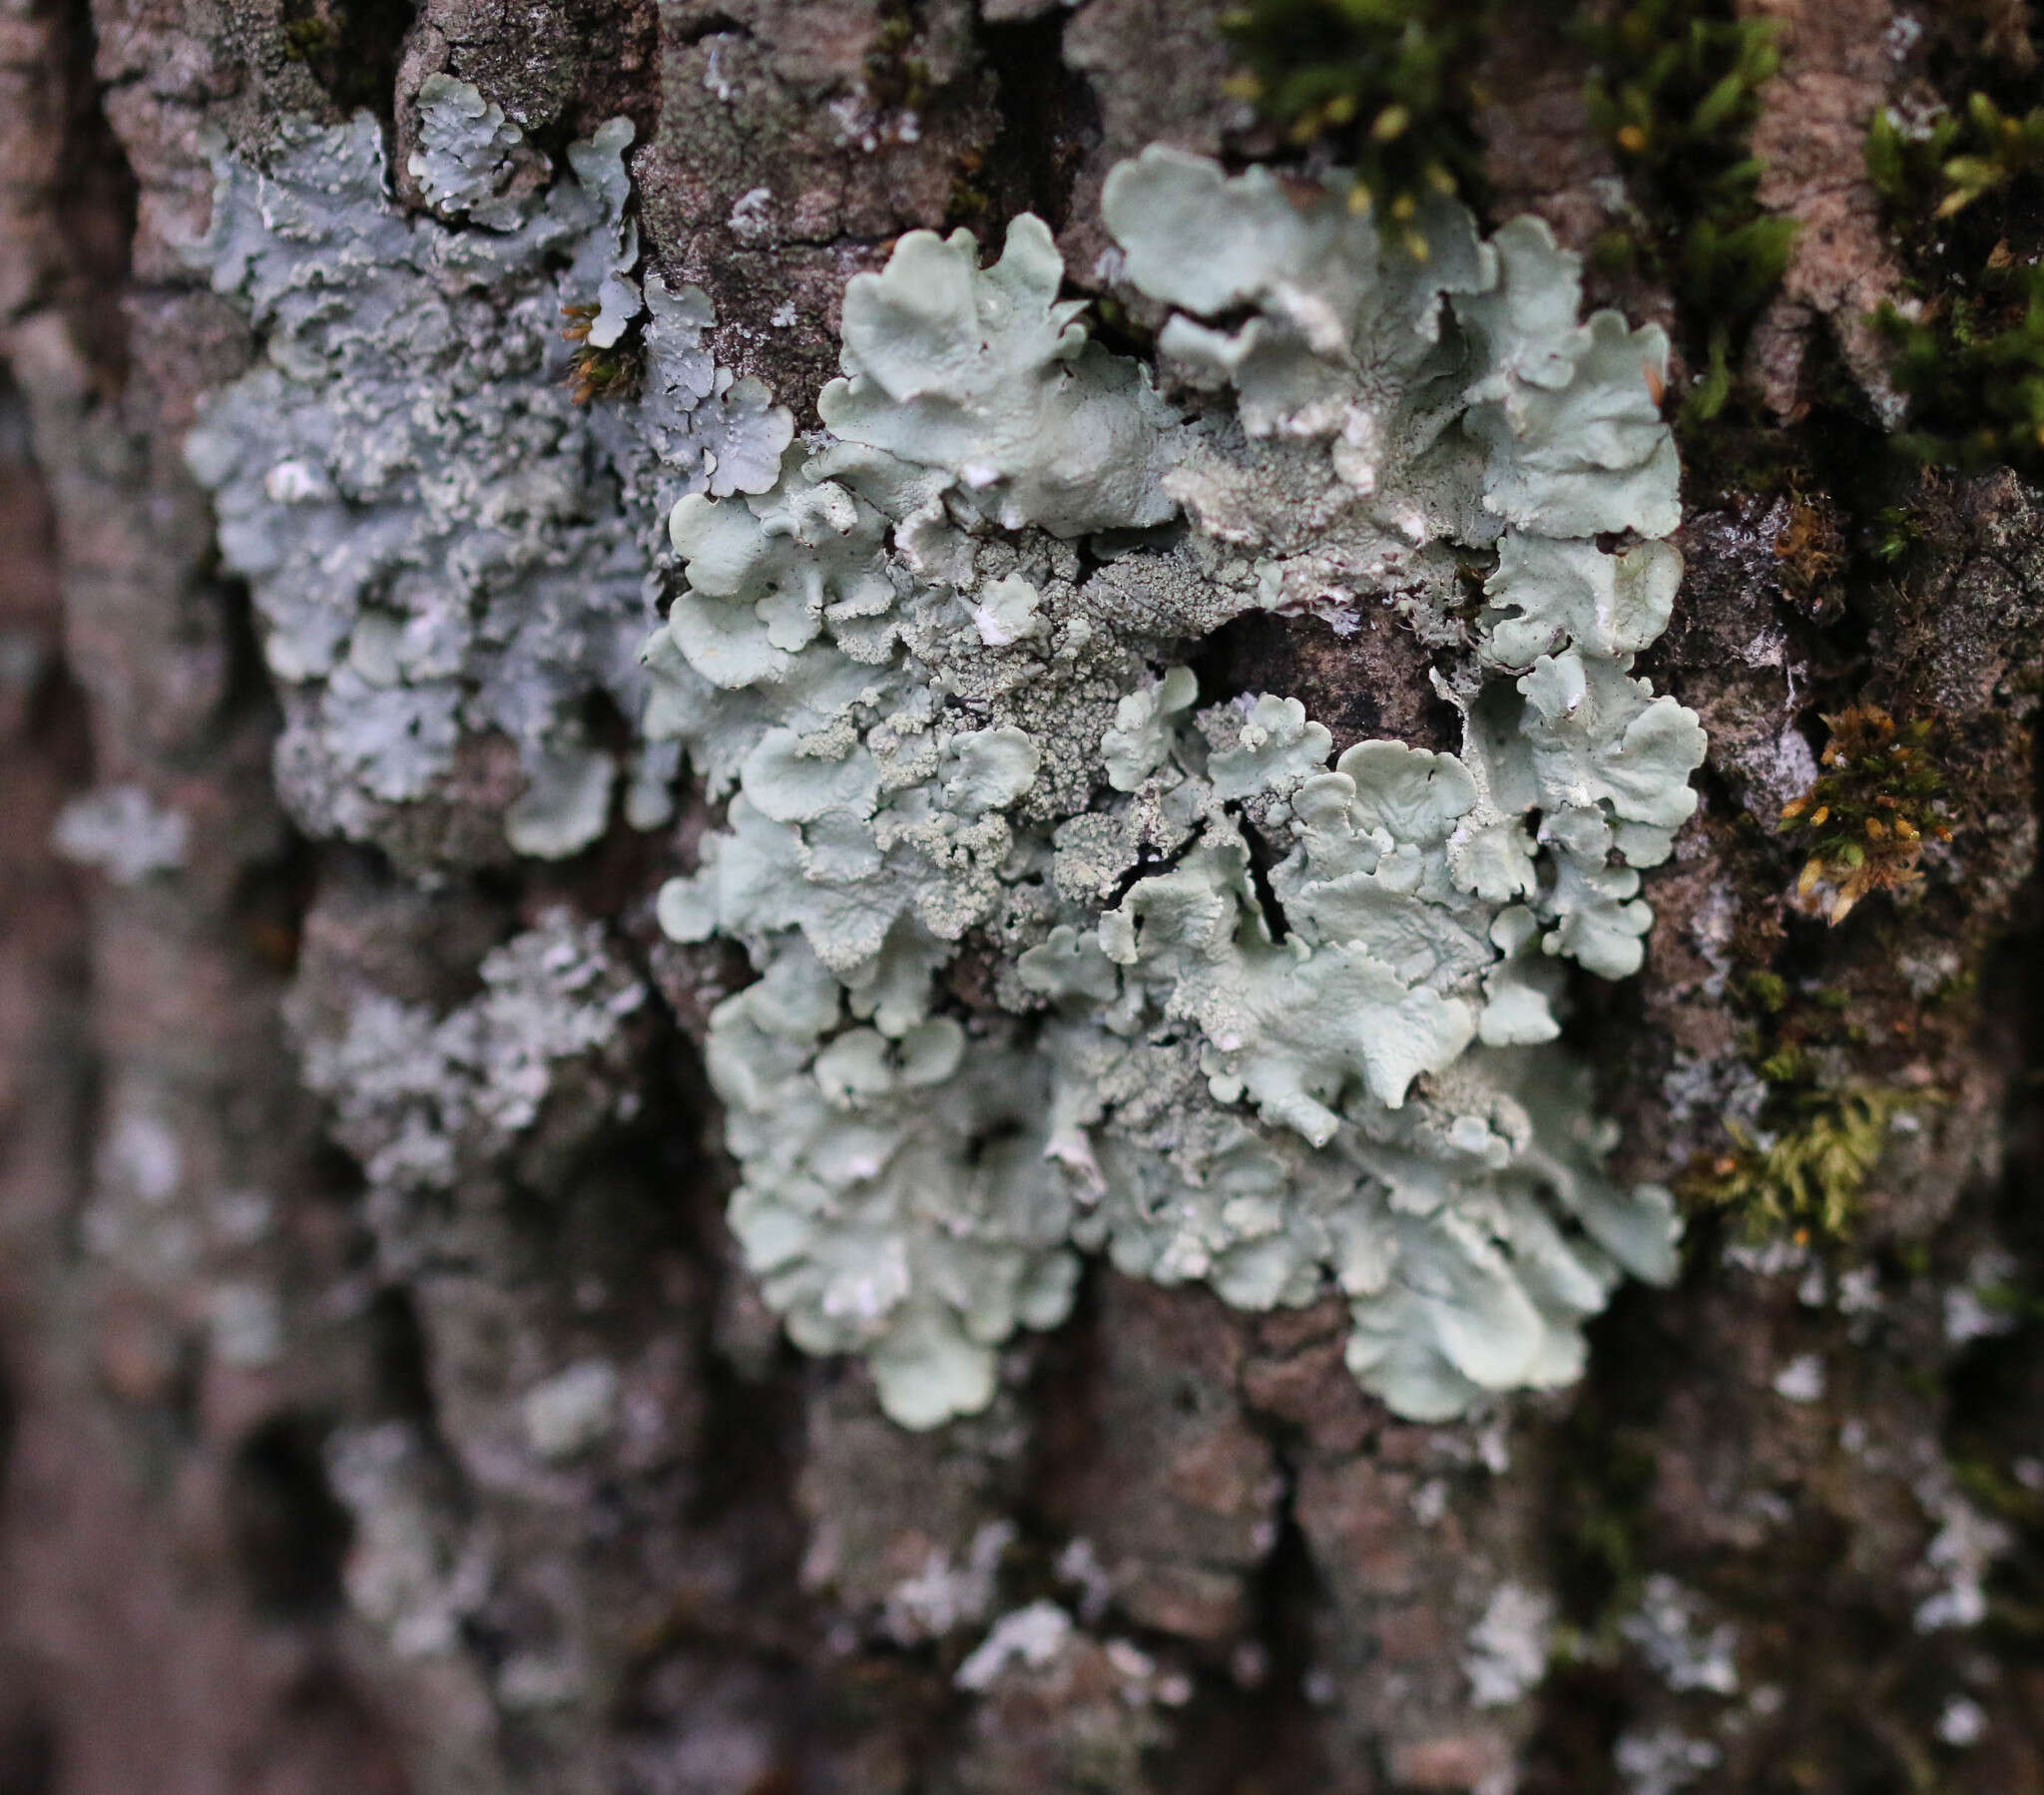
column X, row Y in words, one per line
column 442, row 544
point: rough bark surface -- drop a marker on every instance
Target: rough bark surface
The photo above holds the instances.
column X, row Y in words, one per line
column 270, row 1519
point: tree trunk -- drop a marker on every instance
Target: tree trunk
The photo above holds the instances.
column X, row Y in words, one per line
column 296, row 1486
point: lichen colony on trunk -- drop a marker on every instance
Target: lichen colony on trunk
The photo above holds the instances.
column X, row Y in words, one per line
column 1256, row 1019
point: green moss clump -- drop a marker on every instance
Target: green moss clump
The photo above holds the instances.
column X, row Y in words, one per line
column 2007, row 149
column 1676, row 87
column 1610, row 1481
column 1387, row 84
column 1956, row 161
column 1896, row 533
column 595, row 373
column 1803, row 1165
column 1970, row 357
column 1972, row 366
column 1904, row 168
column 969, row 200
column 1767, row 990
column 896, row 81
column 1993, row 1488
column 1865, row 817
column 350, row 47
column 309, row 40
column 1806, row 1176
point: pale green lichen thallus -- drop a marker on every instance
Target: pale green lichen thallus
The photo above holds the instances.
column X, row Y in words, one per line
column 939, row 668
column 1243, row 1011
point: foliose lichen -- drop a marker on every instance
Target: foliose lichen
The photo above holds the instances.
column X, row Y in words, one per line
column 1252, row 1018
column 1053, row 955
column 441, row 543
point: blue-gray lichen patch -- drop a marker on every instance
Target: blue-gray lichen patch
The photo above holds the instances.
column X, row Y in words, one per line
column 441, row 543
column 1257, row 1015
column 1275, row 1024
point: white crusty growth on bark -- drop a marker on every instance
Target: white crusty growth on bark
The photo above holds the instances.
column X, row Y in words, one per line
column 440, row 542
column 1261, row 1021
column 424, row 1099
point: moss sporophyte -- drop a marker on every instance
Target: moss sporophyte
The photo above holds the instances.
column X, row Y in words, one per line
column 1259, row 1015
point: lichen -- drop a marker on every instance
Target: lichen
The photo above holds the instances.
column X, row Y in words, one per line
column 1253, row 1019
column 426, row 1101
column 442, row 544
column 124, row 831
column 1509, row 1647
column 408, row 1574
column 571, row 1412
column 1243, row 1011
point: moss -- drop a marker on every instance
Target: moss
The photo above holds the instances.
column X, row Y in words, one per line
column 1608, row 1529
column 1896, row 533
column 1969, row 352
column 1808, row 1175
column 1387, row 84
column 1972, row 366
column 1767, row 989
column 1959, row 993
column 969, row 200
column 1903, row 168
column 595, row 373
column 1606, row 1470
column 2015, row 1301
column 1993, row 1488
column 1802, row 1165
column 1810, row 547
column 306, row 40
column 895, row 79
column 1865, row 817
column 350, row 47
column 1676, row 87
column 1958, row 159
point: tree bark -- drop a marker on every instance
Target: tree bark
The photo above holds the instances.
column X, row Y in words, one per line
column 1791, row 1520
